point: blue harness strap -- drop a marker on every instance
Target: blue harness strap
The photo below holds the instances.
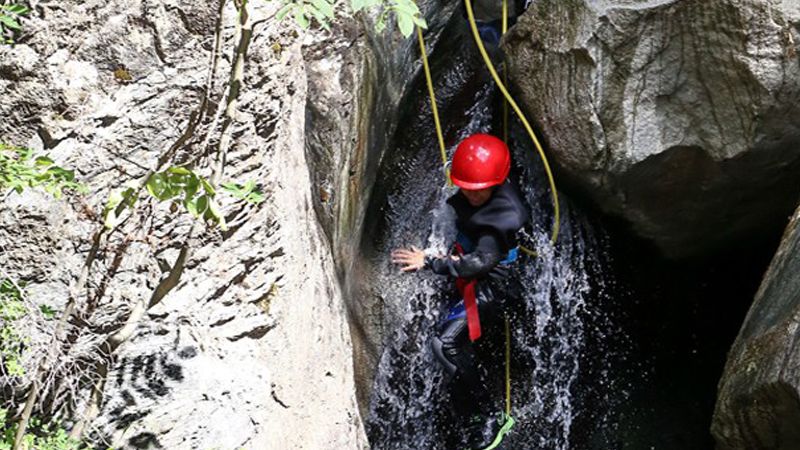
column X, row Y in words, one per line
column 512, row 256
column 457, row 311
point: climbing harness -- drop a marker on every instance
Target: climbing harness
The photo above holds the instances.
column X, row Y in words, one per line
column 467, row 287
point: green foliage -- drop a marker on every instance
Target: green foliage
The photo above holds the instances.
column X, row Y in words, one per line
column 303, row 11
column 116, row 204
column 9, row 21
column 406, row 12
column 47, row 312
column 183, row 188
column 247, row 192
column 19, row 171
column 178, row 185
column 40, row 436
column 11, row 342
column 322, row 11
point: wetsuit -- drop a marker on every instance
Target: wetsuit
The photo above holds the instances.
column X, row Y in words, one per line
column 489, row 17
column 487, row 233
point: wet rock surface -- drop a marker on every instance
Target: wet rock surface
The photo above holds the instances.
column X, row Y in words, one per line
column 677, row 116
column 758, row 405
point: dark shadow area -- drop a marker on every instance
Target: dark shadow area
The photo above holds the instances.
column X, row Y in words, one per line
column 681, row 318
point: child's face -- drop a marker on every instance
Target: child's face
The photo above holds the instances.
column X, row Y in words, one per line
column 477, row 197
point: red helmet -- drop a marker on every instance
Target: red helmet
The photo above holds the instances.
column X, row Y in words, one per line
column 480, row 161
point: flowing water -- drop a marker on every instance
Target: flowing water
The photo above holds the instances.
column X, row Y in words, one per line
column 560, row 388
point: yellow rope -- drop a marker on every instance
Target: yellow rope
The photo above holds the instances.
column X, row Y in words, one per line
column 524, row 120
column 527, row 251
column 434, row 108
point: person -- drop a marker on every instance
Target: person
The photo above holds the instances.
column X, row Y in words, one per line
column 489, row 18
column 489, row 214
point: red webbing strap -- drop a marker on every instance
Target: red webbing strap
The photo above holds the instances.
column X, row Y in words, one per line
column 466, row 287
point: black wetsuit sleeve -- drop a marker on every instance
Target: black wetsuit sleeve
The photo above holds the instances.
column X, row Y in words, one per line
column 486, row 256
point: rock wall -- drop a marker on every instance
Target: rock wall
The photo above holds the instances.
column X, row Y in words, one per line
column 758, row 405
column 252, row 348
column 344, row 161
column 675, row 115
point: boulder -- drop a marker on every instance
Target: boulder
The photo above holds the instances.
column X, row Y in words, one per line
column 678, row 116
column 758, row 404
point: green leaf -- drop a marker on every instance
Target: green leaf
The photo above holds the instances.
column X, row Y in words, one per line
column 43, row 162
column 255, row 197
column 405, row 23
column 316, row 14
column 233, row 188
column 10, row 22
column 178, row 170
column 129, row 197
column 287, row 8
column 213, row 210
column 406, row 6
column 300, row 17
column 216, row 215
column 16, row 9
column 61, row 173
column 420, row 22
column 157, row 187
column 208, row 187
column 110, row 211
column 247, row 192
column 191, row 187
column 324, row 7
column 24, row 153
column 48, row 312
column 114, row 199
column 191, row 206
column 201, row 205
column 357, row 5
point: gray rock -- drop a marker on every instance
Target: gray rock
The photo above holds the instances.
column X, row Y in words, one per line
column 679, row 116
column 758, row 405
